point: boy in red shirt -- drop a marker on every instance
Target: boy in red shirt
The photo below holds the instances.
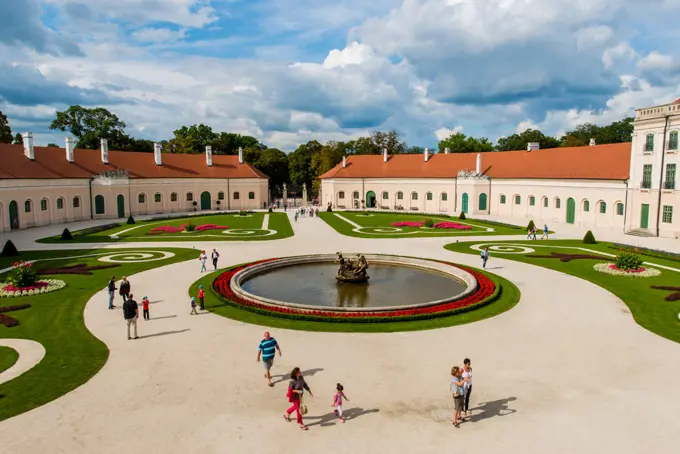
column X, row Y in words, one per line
column 145, row 307
column 201, row 296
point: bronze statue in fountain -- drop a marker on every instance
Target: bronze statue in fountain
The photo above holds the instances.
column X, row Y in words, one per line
column 352, row 271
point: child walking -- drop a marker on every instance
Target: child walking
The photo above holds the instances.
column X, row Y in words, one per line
column 201, row 297
column 193, row 306
column 145, row 307
column 337, row 401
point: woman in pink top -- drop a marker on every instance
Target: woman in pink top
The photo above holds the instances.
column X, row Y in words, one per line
column 337, row 401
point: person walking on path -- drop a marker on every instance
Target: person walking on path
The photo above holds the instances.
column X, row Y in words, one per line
column 529, row 234
column 145, row 307
column 337, row 401
column 112, row 291
column 131, row 314
column 296, row 216
column 467, row 374
column 266, row 352
column 485, row 257
column 535, row 229
column 201, row 297
column 296, row 388
column 124, row 288
column 545, row 232
column 203, row 258
column 458, row 391
column 215, row 255
column 193, row 306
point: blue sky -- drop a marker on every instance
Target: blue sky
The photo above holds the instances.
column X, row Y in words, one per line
column 288, row 71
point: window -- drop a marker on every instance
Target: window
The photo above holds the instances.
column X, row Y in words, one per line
column 414, row 196
column 157, row 197
column 502, row 199
column 251, row 196
column 646, row 176
column 341, row 195
column 76, row 202
column 670, row 177
column 99, row 205
column 649, row 142
column 220, row 195
column 237, row 195
column 445, row 197
column 603, row 208
column 673, row 140
column 27, row 206
column 355, row 195
column 43, row 205
column 558, row 203
column 667, row 214
column 429, row 196
column 586, row 206
column 190, row 197
column 518, row 200
column 619, row 209
column 173, row 197
column 141, row 198
column 60, row 203
column 400, row 195
column 532, row 201
column 385, row 195
column 545, row 202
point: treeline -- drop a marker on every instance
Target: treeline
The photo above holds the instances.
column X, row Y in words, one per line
column 309, row 160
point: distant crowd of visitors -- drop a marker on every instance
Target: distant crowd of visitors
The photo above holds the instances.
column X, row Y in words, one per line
column 306, row 212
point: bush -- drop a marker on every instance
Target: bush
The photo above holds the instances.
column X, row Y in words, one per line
column 95, row 229
column 428, row 223
column 462, row 216
column 22, row 275
column 189, row 227
column 628, row 261
column 195, row 203
column 329, row 209
column 589, row 238
column 270, row 210
column 243, row 213
column 531, row 226
column 131, row 220
column 66, row 235
column 10, row 250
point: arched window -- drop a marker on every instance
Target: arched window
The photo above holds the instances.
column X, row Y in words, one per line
column 586, row 206
column 27, row 206
column 355, row 195
column 558, row 203
column 518, row 200
column 190, row 196
column 445, row 197
column 251, row 195
column 60, row 203
column 502, row 199
column 400, row 195
column 99, row 205
column 157, row 197
column 429, row 196
column 220, row 195
column 603, row 208
column 173, row 197
column 619, row 209
column 414, row 196
column 532, row 200
column 76, row 202
column 649, row 142
column 673, row 140
column 341, row 195
column 545, row 202
column 385, row 195
column 43, row 205
column 237, row 195
column 141, row 198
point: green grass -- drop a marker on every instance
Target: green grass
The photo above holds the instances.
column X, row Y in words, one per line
column 508, row 298
column 73, row 355
column 8, row 357
column 376, row 220
column 648, row 306
column 252, row 222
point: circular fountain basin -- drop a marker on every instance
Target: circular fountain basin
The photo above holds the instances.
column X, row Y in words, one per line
column 308, row 282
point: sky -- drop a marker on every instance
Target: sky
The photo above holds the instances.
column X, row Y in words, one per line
column 289, row 71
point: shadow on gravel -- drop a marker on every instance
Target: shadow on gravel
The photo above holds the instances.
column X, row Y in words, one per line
column 279, row 378
column 165, row 333
column 330, row 419
column 492, row 409
column 161, row 318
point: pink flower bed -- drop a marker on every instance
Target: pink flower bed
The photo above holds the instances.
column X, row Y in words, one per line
column 407, row 224
column 36, row 286
column 211, row 227
column 614, row 267
column 451, row 225
column 167, row 229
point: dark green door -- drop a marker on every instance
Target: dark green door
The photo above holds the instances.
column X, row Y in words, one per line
column 464, row 204
column 571, row 211
column 13, row 215
column 120, row 200
column 644, row 216
column 370, row 199
column 482, row 201
column 205, row 200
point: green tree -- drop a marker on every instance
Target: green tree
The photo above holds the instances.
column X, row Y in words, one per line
column 5, row 130
column 52, row 145
column 89, row 126
column 274, row 164
column 323, row 160
column 193, row 139
column 18, row 139
column 571, row 141
column 519, row 141
column 459, row 143
column 617, row 132
column 300, row 164
column 414, row 149
column 387, row 140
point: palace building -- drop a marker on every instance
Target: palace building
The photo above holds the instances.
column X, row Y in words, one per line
column 41, row 186
column 626, row 186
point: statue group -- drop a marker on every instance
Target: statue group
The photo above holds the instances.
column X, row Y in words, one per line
column 352, row 271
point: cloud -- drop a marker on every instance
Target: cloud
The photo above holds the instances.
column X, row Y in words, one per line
column 443, row 133
column 354, row 54
column 158, row 35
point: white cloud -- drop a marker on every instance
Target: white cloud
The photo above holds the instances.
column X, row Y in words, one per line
column 524, row 125
column 354, row 54
column 158, row 35
column 620, row 53
column 655, row 61
column 443, row 133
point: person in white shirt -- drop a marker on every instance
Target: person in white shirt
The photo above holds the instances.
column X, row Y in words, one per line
column 467, row 373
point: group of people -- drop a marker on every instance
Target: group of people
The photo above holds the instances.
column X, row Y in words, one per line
column 306, row 211
column 297, row 386
column 203, row 258
column 461, row 388
column 531, row 233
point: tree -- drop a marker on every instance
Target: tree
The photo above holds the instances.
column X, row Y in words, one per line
column 617, row 132
column 5, row 130
column 274, row 164
column 325, row 158
column 519, row 141
column 459, row 143
column 89, row 126
column 387, row 140
column 571, row 141
column 52, row 145
column 414, row 149
column 300, row 164
column 18, row 139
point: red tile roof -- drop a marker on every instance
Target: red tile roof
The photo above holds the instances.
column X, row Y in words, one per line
column 599, row 162
column 52, row 163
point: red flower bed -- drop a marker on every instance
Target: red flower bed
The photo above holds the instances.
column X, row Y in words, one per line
column 170, row 229
column 614, row 267
column 407, row 224
column 167, row 229
column 486, row 292
column 211, row 227
column 36, row 286
column 451, row 225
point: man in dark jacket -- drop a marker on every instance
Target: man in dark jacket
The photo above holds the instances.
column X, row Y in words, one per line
column 112, row 291
column 131, row 314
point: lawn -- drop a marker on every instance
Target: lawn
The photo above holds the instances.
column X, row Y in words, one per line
column 379, row 225
column 8, row 356
column 648, row 306
column 73, row 355
column 507, row 299
column 251, row 227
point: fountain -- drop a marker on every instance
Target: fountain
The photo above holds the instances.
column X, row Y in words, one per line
column 352, row 272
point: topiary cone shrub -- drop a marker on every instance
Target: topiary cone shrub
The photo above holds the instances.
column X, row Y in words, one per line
column 66, row 235
column 329, row 209
column 462, row 216
column 531, row 225
column 428, row 223
column 589, row 238
column 270, row 210
column 10, row 250
column 131, row 220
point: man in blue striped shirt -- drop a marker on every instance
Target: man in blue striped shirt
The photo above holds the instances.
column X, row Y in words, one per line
column 266, row 352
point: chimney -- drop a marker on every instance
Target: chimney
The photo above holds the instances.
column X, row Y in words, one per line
column 384, row 154
column 208, row 155
column 427, row 154
column 592, row 142
column 70, row 150
column 158, row 153
column 447, row 150
column 531, row 146
column 105, row 151
column 478, row 166
column 29, row 151
column 240, row 155
column 344, row 162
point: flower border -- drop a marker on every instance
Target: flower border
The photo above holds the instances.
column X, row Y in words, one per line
column 487, row 292
column 52, row 286
column 610, row 268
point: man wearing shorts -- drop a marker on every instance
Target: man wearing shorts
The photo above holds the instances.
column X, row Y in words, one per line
column 266, row 352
